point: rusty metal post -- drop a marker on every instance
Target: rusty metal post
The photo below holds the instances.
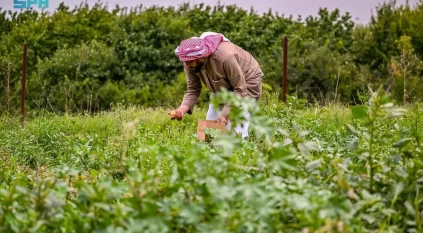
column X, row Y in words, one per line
column 285, row 68
column 24, row 64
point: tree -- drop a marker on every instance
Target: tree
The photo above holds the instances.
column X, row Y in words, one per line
column 406, row 66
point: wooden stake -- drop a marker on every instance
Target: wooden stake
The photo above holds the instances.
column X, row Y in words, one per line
column 285, row 68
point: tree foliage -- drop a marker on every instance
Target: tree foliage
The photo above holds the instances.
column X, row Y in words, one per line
column 96, row 52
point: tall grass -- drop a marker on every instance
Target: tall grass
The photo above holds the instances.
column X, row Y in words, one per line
column 131, row 169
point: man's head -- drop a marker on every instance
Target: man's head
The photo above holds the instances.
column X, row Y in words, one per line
column 193, row 51
column 195, row 65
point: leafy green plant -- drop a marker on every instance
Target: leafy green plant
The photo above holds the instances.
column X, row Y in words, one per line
column 132, row 169
column 378, row 112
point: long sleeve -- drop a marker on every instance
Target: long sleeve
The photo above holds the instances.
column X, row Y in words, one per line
column 193, row 90
column 236, row 78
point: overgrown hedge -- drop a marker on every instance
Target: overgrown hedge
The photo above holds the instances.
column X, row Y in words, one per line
column 88, row 58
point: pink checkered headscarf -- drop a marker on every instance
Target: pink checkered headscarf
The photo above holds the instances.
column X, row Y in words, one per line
column 203, row 46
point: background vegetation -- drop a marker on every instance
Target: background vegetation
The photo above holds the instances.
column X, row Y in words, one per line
column 86, row 59
column 316, row 168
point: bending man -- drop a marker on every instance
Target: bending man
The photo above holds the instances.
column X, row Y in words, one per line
column 218, row 63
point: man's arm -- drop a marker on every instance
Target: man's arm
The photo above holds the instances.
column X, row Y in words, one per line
column 236, row 78
column 193, row 92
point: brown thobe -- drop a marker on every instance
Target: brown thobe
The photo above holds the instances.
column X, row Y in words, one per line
column 229, row 67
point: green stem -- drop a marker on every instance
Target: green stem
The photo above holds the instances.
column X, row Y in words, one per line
column 371, row 158
column 417, row 210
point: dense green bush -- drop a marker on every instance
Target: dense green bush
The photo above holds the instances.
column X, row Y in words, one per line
column 330, row 58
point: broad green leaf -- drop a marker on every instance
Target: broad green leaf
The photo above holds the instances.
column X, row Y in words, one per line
column 283, row 158
column 282, row 131
column 359, row 111
column 399, row 187
column 307, row 146
column 388, row 212
column 191, row 213
column 37, row 226
column 402, row 142
column 353, row 144
column 397, row 112
column 410, row 208
column 313, row 165
column 352, row 130
column 411, row 223
column 384, row 99
column 368, row 218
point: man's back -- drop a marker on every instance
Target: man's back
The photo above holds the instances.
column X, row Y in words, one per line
column 244, row 58
column 226, row 61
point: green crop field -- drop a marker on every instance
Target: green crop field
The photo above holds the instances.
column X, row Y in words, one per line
column 303, row 169
column 98, row 152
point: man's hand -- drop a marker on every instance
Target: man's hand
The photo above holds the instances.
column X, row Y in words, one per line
column 176, row 114
column 222, row 119
column 179, row 113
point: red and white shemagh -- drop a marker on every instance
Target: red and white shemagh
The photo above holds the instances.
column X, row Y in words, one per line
column 203, row 46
